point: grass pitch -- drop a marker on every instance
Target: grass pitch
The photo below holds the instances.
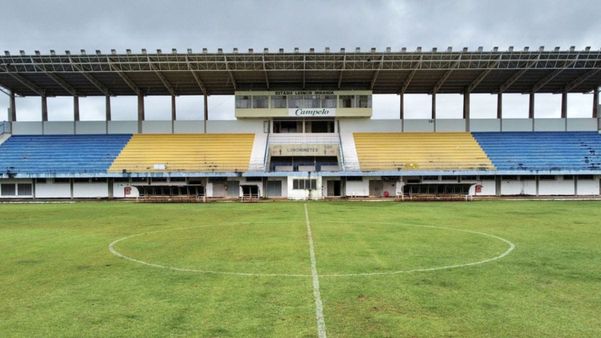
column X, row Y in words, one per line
column 58, row 278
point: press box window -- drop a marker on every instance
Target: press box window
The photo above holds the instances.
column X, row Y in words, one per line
column 278, row 101
column 304, row 184
column 363, row 101
column 260, row 102
column 346, row 101
column 295, row 101
column 311, row 101
column 243, row 101
column 328, row 101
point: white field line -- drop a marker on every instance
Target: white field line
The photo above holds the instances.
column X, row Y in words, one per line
column 321, row 323
column 115, row 252
column 510, row 247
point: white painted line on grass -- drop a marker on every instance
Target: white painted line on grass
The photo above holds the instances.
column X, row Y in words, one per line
column 321, row 323
column 510, row 247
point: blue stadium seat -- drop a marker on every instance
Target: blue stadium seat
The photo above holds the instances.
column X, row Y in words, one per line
column 542, row 151
column 60, row 154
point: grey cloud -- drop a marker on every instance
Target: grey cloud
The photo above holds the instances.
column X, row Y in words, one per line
column 61, row 24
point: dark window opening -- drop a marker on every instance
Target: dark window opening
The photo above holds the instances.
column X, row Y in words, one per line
column 308, row 163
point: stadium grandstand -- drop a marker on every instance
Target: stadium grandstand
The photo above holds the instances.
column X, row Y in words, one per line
column 303, row 128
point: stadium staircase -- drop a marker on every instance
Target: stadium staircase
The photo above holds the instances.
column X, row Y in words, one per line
column 542, row 151
column 60, row 154
column 420, row 151
column 185, row 153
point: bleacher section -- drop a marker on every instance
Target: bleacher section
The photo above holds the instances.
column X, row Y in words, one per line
column 185, row 152
column 420, row 151
column 542, row 151
column 60, row 154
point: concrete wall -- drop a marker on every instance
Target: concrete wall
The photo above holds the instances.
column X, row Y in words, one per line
column 295, row 194
column 550, row 124
column 450, row 125
column 157, row 127
column 90, row 127
column 582, row 124
column 27, row 128
column 359, row 125
column 90, row 190
column 59, row 128
column 588, row 187
column 52, row 190
column 518, row 187
column 485, row 125
column 188, row 127
column 357, row 188
column 516, row 125
column 240, row 126
column 418, row 125
column 122, row 127
column 489, row 188
column 557, row 187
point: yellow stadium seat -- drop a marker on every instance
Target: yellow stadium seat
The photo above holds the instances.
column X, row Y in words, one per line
column 420, row 151
column 185, row 153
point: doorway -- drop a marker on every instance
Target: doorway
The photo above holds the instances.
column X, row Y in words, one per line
column 274, row 189
column 334, row 189
column 376, row 188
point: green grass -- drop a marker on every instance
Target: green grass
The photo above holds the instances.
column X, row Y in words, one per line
column 58, row 278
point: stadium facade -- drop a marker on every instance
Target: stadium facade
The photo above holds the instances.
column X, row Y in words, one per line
column 303, row 126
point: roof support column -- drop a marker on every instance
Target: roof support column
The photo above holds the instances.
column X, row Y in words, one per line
column 44, row 108
column 12, row 114
column 141, row 113
column 402, row 110
column 500, row 105
column 206, row 111
column 75, row 108
column 466, row 109
column 564, row 105
column 596, row 103
column 433, row 106
column 107, row 108
column 402, row 105
column 173, row 111
column 531, row 106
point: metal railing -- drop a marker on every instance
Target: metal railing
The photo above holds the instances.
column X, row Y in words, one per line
column 299, row 138
column 5, row 127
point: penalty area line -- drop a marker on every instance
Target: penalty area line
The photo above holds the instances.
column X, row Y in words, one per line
column 321, row 323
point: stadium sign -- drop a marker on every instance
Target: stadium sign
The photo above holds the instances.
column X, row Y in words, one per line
column 312, row 112
column 303, row 150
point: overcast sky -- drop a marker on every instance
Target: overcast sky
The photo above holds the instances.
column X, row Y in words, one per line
column 74, row 25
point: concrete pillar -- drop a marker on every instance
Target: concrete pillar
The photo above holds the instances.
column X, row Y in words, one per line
column 433, row 106
column 596, row 103
column 107, row 108
column 500, row 105
column 141, row 115
column 466, row 110
column 173, row 111
column 531, row 106
column 596, row 108
column 12, row 114
column 402, row 105
column 76, row 108
column 564, row 105
column 466, row 105
column 206, row 111
column 44, row 109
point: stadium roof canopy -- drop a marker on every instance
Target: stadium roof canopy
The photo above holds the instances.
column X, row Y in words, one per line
column 224, row 73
